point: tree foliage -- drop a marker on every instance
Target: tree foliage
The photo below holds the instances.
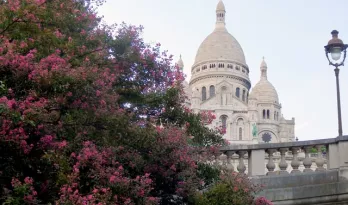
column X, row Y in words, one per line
column 90, row 113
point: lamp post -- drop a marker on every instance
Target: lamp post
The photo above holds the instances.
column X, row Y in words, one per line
column 335, row 48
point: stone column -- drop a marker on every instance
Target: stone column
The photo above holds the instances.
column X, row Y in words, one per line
column 319, row 161
column 270, row 165
column 295, row 163
column 282, row 164
column 307, row 162
column 241, row 166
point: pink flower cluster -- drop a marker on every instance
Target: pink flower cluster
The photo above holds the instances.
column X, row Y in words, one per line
column 262, row 201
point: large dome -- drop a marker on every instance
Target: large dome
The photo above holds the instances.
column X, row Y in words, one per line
column 220, row 45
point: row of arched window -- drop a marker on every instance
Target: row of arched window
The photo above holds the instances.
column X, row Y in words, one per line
column 245, row 95
column 221, row 65
column 211, row 92
column 220, row 15
column 266, row 114
column 223, row 119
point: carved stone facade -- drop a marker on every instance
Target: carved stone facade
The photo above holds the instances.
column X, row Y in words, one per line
column 220, row 83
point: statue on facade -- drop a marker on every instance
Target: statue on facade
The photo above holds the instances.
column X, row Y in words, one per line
column 254, row 131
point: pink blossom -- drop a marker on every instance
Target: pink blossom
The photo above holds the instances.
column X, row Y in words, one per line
column 28, row 180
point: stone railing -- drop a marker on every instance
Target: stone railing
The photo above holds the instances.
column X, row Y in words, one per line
column 290, row 173
column 290, row 157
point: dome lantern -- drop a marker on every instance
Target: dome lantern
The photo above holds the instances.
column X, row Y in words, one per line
column 263, row 68
column 180, row 63
column 220, row 15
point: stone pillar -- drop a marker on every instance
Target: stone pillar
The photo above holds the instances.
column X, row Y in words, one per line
column 270, row 165
column 283, row 164
column 256, row 162
column 241, row 166
column 295, row 163
column 332, row 154
column 307, row 162
column 319, row 161
column 343, row 157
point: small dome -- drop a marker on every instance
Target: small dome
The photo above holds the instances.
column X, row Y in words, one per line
column 264, row 91
column 220, row 6
column 220, row 45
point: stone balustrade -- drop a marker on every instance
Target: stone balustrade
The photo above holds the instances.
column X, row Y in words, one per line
column 283, row 158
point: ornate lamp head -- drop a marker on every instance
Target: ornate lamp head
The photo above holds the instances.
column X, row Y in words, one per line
column 335, row 48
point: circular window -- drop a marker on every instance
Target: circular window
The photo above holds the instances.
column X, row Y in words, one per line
column 266, row 137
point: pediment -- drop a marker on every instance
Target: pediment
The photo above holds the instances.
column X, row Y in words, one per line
column 222, row 84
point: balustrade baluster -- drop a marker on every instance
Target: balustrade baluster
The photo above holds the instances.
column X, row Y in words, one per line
column 229, row 164
column 295, row 163
column 319, row 161
column 307, row 162
column 283, row 165
column 216, row 158
column 241, row 166
column 270, row 165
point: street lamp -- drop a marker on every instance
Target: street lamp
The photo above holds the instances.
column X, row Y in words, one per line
column 335, row 48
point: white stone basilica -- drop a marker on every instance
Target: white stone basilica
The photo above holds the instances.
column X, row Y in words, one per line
column 220, row 83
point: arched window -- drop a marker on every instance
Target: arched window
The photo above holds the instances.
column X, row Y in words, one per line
column 211, row 91
column 243, row 95
column 240, row 133
column 275, row 115
column 237, row 92
column 204, row 93
column 264, row 114
column 267, row 114
column 223, row 119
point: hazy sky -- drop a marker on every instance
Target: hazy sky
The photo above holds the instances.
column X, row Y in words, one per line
column 290, row 34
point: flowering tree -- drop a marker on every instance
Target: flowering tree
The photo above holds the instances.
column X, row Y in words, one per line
column 80, row 108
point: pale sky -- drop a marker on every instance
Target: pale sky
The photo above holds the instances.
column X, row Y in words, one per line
column 290, row 34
